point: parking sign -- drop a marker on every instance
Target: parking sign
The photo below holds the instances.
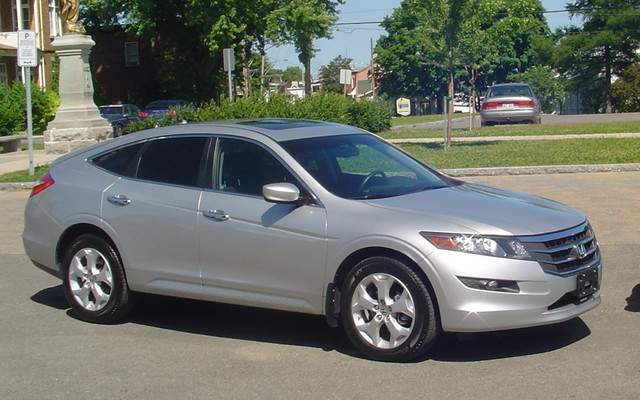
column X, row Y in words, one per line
column 27, row 50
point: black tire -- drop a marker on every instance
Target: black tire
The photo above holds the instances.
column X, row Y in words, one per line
column 118, row 130
column 94, row 282
column 366, row 316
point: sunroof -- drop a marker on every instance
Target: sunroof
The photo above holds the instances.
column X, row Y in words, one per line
column 281, row 124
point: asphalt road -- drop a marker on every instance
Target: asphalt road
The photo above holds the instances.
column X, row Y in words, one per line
column 178, row 349
column 547, row 119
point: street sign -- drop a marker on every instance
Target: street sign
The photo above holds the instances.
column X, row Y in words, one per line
column 345, row 76
column 228, row 59
column 27, row 50
column 403, row 107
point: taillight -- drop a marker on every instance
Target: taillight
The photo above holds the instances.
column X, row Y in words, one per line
column 44, row 182
column 143, row 114
column 521, row 103
column 491, row 104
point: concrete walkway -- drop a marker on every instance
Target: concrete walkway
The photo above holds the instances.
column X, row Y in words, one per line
column 19, row 160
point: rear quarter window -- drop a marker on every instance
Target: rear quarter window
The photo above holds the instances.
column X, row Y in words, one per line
column 118, row 161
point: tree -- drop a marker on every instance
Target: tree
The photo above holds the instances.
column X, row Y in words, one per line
column 436, row 41
column 189, row 35
column 625, row 92
column 292, row 74
column 605, row 45
column 549, row 88
column 330, row 74
column 300, row 22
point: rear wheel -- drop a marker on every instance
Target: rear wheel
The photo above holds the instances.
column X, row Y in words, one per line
column 118, row 130
column 93, row 280
column 387, row 311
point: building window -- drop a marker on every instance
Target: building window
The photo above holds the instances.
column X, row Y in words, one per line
column 4, row 77
column 55, row 23
column 131, row 54
column 26, row 16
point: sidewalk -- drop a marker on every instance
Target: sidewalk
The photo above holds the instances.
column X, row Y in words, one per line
column 19, row 160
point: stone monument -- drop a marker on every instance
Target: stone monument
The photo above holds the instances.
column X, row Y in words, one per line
column 77, row 122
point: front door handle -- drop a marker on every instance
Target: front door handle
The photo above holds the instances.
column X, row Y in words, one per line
column 216, row 214
column 119, row 200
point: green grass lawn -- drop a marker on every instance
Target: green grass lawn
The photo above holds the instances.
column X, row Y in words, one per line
column 419, row 119
column 23, row 176
column 528, row 153
column 520, row 130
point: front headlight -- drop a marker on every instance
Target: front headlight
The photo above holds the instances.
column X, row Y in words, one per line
column 483, row 245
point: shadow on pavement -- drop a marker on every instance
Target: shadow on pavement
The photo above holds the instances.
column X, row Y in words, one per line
column 464, row 347
column 633, row 301
column 279, row 327
column 52, row 297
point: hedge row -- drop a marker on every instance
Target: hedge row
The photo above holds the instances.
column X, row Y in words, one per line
column 13, row 111
column 322, row 106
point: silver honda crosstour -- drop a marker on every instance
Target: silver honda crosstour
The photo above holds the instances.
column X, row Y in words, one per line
column 310, row 217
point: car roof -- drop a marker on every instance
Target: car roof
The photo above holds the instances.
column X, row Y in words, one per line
column 509, row 84
column 277, row 129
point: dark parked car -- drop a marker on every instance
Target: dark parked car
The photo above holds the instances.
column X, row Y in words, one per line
column 119, row 116
column 311, row 217
column 509, row 103
column 162, row 107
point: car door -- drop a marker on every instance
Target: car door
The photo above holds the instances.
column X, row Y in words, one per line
column 255, row 252
column 154, row 215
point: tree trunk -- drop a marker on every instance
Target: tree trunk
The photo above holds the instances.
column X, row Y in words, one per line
column 447, row 142
column 307, row 76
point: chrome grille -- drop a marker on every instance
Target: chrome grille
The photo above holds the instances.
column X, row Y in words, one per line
column 566, row 252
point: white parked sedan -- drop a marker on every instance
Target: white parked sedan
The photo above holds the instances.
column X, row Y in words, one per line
column 309, row 217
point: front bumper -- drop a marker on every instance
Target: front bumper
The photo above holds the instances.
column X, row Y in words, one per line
column 541, row 298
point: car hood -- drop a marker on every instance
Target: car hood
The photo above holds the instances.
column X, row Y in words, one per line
column 477, row 209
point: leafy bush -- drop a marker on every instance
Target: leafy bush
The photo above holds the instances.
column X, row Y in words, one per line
column 13, row 113
column 625, row 92
column 322, row 106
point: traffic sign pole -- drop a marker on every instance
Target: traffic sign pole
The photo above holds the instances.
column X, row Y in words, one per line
column 27, row 58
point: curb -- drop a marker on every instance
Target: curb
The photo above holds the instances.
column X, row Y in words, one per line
column 462, row 172
column 541, row 170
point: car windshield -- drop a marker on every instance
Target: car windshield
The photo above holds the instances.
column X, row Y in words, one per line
column 362, row 167
column 104, row 110
column 509, row 91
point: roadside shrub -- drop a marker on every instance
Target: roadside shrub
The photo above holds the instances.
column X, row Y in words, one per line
column 13, row 112
column 322, row 106
column 371, row 116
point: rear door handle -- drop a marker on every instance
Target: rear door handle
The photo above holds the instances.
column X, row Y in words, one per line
column 218, row 215
column 119, row 200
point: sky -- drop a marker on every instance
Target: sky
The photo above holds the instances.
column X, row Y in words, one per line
column 354, row 41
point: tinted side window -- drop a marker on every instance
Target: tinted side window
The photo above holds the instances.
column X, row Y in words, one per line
column 173, row 160
column 244, row 167
column 118, row 161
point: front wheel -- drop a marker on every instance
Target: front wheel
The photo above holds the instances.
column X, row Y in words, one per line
column 387, row 311
column 93, row 280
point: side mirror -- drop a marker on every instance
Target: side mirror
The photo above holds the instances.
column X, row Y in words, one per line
column 284, row 192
